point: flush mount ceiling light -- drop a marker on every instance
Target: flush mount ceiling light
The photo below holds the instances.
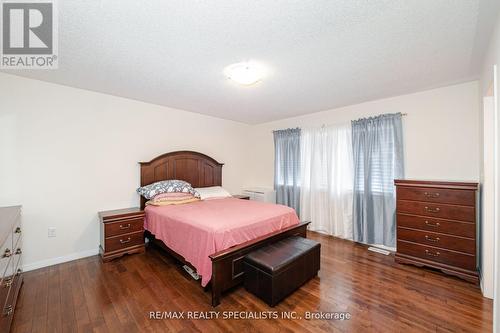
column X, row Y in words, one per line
column 245, row 73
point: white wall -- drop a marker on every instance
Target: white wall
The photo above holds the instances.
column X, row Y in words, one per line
column 441, row 132
column 69, row 153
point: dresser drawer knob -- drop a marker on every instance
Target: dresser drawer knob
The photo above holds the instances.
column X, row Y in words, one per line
column 125, row 241
column 19, row 271
column 431, row 254
column 19, row 251
column 124, row 227
column 432, row 210
column 7, row 253
column 18, row 230
column 430, row 239
column 432, row 195
column 8, row 282
column 432, row 225
column 7, row 311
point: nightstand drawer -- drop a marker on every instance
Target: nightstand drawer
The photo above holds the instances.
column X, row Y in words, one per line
column 123, row 227
column 124, row 241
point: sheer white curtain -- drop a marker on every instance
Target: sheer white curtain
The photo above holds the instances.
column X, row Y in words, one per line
column 327, row 179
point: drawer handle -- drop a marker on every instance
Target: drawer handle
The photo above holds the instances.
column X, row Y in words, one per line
column 8, row 282
column 18, row 230
column 125, row 241
column 432, row 195
column 432, row 210
column 19, row 271
column 124, row 227
column 7, row 253
column 7, row 311
column 19, row 251
column 430, row 239
column 430, row 254
column 432, row 225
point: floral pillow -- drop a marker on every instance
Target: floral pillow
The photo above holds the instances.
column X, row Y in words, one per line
column 167, row 186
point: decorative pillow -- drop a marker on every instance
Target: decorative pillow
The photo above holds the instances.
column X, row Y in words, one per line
column 171, row 202
column 166, row 186
column 213, row 192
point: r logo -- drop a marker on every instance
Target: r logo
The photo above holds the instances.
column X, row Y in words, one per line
column 27, row 28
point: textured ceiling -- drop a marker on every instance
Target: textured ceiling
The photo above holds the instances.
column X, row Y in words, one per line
column 322, row 54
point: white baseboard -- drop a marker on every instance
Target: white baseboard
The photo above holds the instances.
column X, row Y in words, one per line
column 59, row 260
column 487, row 292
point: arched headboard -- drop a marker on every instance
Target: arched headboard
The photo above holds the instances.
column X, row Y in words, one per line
column 195, row 168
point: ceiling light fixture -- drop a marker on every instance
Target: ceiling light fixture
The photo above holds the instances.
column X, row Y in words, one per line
column 245, row 73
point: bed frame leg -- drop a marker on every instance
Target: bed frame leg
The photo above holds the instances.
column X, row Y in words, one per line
column 216, row 284
column 215, row 297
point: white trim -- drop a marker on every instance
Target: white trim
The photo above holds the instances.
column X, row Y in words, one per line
column 496, row 288
column 488, row 194
column 60, row 260
column 379, row 250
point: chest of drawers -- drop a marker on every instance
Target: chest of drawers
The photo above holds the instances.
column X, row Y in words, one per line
column 437, row 226
column 11, row 277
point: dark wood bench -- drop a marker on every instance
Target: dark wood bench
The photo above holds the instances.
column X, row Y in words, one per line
column 275, row 271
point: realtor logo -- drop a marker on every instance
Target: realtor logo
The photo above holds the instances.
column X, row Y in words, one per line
column 29, row 34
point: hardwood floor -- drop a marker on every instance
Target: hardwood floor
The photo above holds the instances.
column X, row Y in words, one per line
column 380, row 295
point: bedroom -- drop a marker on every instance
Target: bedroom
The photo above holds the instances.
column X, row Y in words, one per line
column 133, row 81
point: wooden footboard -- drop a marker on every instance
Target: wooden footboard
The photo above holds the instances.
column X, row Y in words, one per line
column 227, row 265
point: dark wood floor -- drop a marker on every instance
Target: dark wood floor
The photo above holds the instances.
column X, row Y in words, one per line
column 381, row 296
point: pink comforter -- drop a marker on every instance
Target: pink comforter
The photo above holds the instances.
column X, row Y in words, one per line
column 198, row 229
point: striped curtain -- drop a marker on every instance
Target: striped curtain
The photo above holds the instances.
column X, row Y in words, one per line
column 378, row 159
column 287, row 167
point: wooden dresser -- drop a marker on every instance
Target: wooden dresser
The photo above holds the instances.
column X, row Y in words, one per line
column 437, row 226
column 10, row 263
column 122, row 232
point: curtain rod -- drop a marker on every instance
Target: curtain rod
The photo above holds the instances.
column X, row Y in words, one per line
column 324, row 125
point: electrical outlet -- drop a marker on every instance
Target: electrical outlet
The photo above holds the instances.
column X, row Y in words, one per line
column 52, row 232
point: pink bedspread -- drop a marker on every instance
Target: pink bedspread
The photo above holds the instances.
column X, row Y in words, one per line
column 198, row 229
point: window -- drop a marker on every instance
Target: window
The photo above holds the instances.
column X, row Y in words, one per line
column 378, row 170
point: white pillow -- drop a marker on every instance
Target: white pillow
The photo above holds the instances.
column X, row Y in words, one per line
column 212, row 192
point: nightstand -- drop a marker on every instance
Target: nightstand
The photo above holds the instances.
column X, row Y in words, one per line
column 122, row 232
column 241, row 196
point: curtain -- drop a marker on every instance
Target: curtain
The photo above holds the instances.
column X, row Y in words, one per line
column 378, row 160
column 327, row 180
column 287, row 167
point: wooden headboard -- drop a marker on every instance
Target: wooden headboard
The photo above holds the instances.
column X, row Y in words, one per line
column 195, row 168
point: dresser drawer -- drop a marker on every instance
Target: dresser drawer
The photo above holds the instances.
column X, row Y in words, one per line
column 460, row 244
column 438, row 195
column 456, row 228
column 123, row 227
column 15, row 269
column 124, row 241
column 438, row 255
column 17, row 257
column 461, row 213
column 9, row 305
column 6, row 253
column 16, row 231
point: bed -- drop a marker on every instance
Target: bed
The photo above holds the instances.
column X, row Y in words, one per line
column 212, row 236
